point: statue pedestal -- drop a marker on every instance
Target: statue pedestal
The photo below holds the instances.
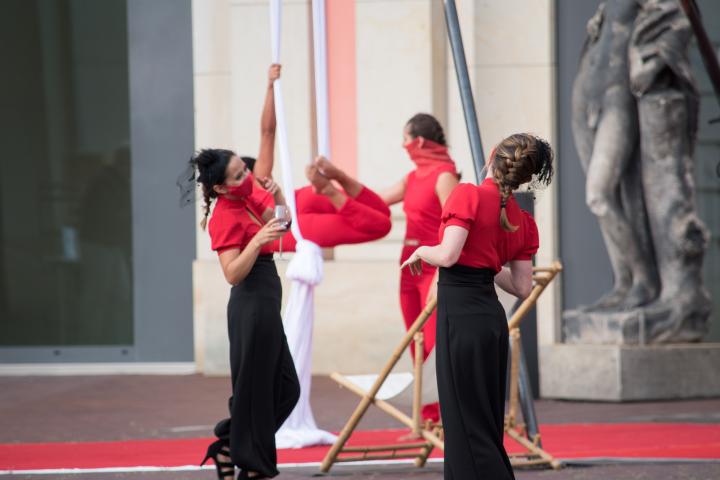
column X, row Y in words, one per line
column 622, row 372
column 677, row 322
column 621, row 328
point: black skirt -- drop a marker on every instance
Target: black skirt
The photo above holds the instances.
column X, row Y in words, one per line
column 265, row 385
column 472, row 352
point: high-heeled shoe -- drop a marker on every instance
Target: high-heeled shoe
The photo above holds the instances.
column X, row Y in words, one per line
column 224, row 469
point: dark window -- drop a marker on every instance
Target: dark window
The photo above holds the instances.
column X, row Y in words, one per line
column 65, row 209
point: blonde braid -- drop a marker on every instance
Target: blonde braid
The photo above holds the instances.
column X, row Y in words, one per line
column 513, row 165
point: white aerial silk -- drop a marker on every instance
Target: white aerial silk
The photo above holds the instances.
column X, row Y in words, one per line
column 306, row 267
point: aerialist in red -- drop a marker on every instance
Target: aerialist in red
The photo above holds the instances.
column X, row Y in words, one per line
column 423, row 193
column 330, row 217
column 327, row 215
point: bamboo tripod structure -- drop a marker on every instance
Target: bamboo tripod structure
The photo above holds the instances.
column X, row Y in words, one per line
column 431, row 435
column 534, row 454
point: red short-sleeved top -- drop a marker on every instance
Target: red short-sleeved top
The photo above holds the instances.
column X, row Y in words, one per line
column 231, row 225
column 477, row 209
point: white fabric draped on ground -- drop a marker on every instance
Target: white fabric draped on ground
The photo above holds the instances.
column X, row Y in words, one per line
column 305, row 269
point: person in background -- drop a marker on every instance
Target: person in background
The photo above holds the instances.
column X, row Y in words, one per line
column 423, row 193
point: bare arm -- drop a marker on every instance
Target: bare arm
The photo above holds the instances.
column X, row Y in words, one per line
column 269, row 184
column 394, row 194
column 264, row 164
column 444, row 255
column 236, row 263
column 517, row 279
column 444, row 186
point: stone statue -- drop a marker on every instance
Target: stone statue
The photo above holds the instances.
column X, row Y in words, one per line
column 635, row 114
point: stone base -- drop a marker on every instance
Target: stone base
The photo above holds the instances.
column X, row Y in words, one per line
column 621, row 328
column 621, row 373
column 679, row 321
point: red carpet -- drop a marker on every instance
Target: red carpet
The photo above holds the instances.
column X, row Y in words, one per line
column 576, row 441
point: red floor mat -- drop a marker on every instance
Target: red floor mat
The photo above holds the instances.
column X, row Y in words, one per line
column 574, row 441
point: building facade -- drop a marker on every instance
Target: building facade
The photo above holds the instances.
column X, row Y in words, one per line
column 97, row 115
column 200, row 83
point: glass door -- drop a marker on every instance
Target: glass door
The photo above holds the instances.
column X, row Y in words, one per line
column 66, row 272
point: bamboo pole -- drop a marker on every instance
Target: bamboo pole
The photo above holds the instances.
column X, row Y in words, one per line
column 385, row 448
column 421, row 460
column 360, row 458
column 386, row 407
column 417, row 391
column 514, row 376
column 530, row 463
column 542, row 278
column 390, row 409
column 541, row 281
column 531, row 447
column 369, row 397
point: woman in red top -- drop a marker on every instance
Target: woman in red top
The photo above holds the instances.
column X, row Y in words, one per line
column 265, row 386
column 245, row 234
column 482, row 230
column 423, row 193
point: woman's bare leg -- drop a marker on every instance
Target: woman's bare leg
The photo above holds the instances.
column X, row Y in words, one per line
column 322, row 185
column 351, row 186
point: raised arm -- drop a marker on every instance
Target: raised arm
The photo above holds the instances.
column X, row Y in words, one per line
column 278, row 198
column 265, row 160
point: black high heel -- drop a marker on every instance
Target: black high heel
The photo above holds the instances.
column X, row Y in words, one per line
column 216, row 448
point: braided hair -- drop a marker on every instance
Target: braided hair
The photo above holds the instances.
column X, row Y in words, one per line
column 426, row 126
column 210, row 164
column 518, row 159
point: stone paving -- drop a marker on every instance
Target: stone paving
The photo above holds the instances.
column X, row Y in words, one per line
column 95, row 408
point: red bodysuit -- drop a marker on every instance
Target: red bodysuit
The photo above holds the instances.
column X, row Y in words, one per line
column 422, row 212
column 361, row 219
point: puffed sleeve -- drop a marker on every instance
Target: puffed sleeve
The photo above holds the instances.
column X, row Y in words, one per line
column 461, row 206
column 532, row 239
column 225, row 233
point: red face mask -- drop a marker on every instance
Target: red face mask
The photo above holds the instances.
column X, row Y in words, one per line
column 244, row 189
column 413, row 146
column 425, row 153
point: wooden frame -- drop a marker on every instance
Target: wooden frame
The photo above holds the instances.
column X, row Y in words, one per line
column 431, row 435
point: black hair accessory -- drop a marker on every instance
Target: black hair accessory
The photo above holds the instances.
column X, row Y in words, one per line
column 187, row 184
column 543, row 168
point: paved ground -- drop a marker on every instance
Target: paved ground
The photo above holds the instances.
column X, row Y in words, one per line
column 43, row 409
